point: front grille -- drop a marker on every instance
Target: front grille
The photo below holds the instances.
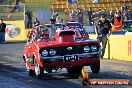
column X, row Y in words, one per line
column 64, row 50
column 76, row 49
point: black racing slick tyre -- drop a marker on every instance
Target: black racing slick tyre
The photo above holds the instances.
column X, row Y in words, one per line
column 39, row 71
column 95, row 67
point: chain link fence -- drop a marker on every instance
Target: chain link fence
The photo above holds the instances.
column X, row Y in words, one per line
column 12, row 12
column 29, row 12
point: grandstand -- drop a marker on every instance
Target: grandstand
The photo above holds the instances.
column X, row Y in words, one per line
column 60, row 6
column 38, row 1
column 103, row 5
column 109, row 4
column 63, row 4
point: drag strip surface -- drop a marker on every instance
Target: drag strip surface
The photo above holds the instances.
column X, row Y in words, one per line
column 13, row 73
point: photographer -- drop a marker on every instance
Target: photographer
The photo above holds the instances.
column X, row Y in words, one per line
column 103, row 30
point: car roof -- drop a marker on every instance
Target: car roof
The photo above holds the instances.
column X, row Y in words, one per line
column 60, row 24
column 72, row 23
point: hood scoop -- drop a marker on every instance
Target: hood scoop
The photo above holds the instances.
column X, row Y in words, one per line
column 65, row 36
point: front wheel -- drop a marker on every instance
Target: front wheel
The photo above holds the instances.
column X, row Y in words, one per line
column 95, row 67
column 39, row 71
column 30, row 71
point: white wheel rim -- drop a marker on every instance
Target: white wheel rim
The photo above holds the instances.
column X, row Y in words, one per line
column 27, row 67
column 37, row 70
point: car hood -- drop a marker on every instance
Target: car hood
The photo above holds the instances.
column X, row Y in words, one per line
column 43, row 44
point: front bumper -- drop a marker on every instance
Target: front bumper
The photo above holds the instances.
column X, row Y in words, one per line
column 89, row 55
column 61, row 64
column 58, row 61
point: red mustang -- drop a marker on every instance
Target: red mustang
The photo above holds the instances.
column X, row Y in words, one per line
column 60, row 46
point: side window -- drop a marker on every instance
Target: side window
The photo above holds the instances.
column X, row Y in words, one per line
column 41, row 34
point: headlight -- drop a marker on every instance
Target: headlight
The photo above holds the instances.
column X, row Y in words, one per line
column 94, row 48
column 45, row 53
column 52, row 52
column 86, row 49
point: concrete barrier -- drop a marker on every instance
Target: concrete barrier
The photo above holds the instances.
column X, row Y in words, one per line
column 118, row 47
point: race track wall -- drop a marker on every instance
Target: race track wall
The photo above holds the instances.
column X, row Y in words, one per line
column 118, row 47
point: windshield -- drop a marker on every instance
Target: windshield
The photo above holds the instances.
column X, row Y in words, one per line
column 48, row 31
column 78, row 28
column 74, row 25
column 51, row 26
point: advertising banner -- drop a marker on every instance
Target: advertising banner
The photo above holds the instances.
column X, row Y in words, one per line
column 15, row 31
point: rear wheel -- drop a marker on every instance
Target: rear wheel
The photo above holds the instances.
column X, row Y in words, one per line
column 95, row 67
column 39, row 71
